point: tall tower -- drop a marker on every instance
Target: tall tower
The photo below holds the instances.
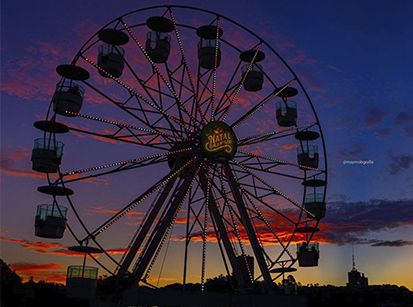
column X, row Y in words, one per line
column 356, row 279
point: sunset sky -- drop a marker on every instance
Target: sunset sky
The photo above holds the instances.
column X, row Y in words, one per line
column 353, row 58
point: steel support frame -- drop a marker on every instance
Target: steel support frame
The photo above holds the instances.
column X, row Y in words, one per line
column 256, row 247
column 145, row 228
column 162, row 226
column 222, row 231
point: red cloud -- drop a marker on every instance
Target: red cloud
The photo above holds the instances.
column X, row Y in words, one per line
column 52, row 248
column 288, row 147
column 102, row 210
column 116, row 251
column 10, row 158
column 50, row 272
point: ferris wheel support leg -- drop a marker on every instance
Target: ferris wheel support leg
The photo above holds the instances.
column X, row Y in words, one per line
column 256, row 247
column 163, row 225
column 213, row 209
column 145, row 228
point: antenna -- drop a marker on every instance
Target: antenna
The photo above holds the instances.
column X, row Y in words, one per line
column 354, row 263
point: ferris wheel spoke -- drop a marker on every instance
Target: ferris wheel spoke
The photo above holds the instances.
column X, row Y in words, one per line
column 273, row 161
column 259, row 105
column 122, row 165
column 109, row 222
column 168, row 85
column 262, row 201
column 260, row 198
column 177, row 96
column 269, row 170
column 269, row 136
column 131, row 139
column 75, row 177
column 147, row 89
column 205, row 102
column 227, row 94
column 230, row 88
column 214, row 78
column 135, row 93
column 234, row 97
column 149, row 132
column 123, row 106
column 195, row 107
column 276, row 191
column 267, row 223
column 180, row 81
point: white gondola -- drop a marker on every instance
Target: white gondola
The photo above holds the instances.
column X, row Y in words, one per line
column 308, row 254
column 307, row 156
column 111, row 60
column 81, row 281
column 50, row 221
column 286, row 113
column 68, row 98
column 315, row 206
column 158, row 46
column 254, row 79
column 46, row 155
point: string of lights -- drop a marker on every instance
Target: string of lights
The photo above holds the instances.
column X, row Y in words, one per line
column 148, row 271
column 262, row 217
column 155, row 68
column 275, row 160
column 119, row 124
column 272, row 187
column 260, row 105
column 131, row 206
column 250, row 65
column 181, row 48
column 235, row 227
column 136, row 94
column 241, row 142
column 204, row 230
column 214, row 78
column 140, row 159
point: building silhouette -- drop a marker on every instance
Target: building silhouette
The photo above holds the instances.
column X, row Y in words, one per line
column 356, row 279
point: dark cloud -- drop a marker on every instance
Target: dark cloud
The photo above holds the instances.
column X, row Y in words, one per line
column 353, row 152
column 403, row 118
column 351, row 222
column 395, row 243
column 373, row 116
column 338, row 197
column 400, row 163
column 382, row 133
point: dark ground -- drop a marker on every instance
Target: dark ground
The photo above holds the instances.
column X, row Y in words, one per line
column 15, row 293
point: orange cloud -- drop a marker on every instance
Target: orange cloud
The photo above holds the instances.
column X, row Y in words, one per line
column 50, row 272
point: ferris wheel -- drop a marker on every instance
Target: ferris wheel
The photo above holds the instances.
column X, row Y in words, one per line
column 225, row 139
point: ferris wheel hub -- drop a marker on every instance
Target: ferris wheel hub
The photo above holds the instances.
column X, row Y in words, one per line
column 218, row 141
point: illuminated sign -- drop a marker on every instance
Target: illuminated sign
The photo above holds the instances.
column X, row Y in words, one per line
column 218, row 141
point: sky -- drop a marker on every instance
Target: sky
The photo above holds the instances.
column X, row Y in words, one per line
column 354, row 59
